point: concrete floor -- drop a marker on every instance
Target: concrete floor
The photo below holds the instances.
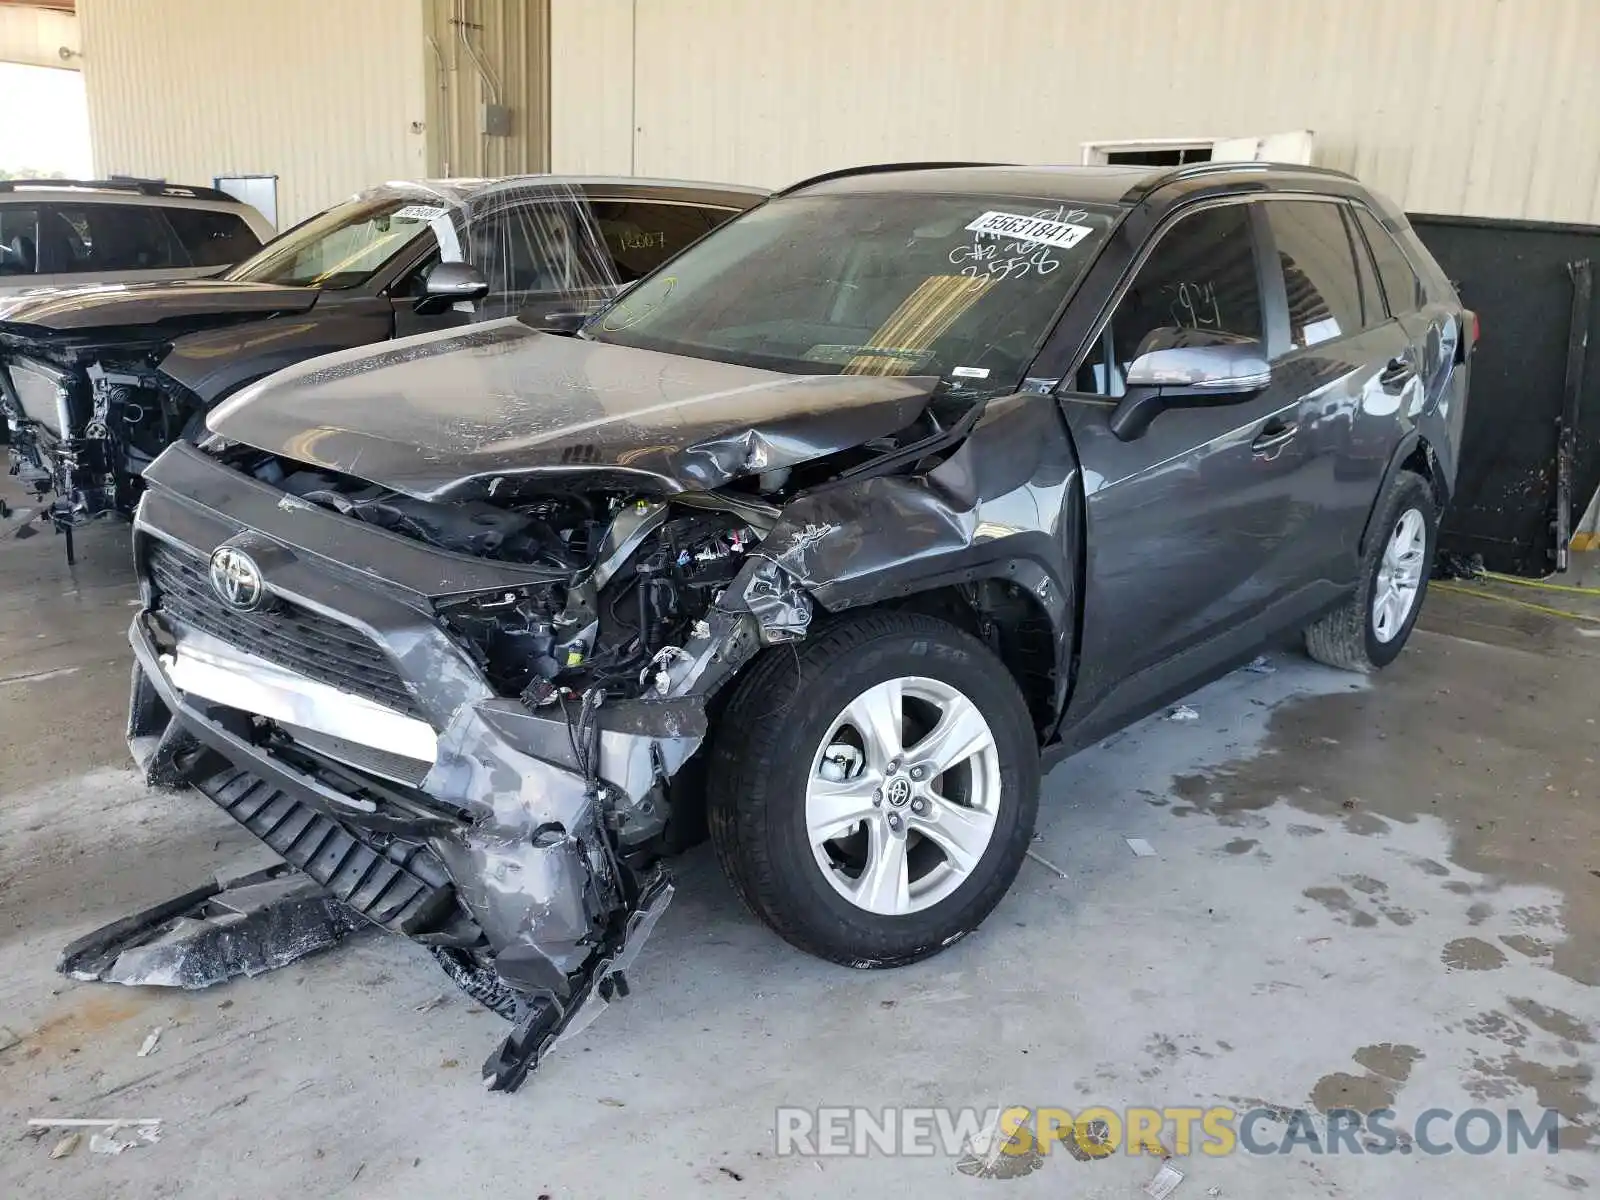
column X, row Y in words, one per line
column 1363, row 892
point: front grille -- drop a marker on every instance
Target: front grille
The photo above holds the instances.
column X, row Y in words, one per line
column 286, row 634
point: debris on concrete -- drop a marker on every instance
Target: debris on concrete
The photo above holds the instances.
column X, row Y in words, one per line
column 1046, row 863
column 1213, row 1191
column 1165, row 1182
column 90, row 1122
column 1140, row 847
column 151, row 1041
column 438, row 1001
column 7, row 1038
column 1260, row 665
column 66, row 1145
column 237, row 924
column 1183, row 713
column 119, row 1138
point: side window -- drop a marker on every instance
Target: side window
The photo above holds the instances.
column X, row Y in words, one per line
column 1319, row 270
column 1372, row 310
column 1400, row 282
column 1201, row 277
column 641, row 235
column 19, row 240
column 106, row 238
column 212, row 238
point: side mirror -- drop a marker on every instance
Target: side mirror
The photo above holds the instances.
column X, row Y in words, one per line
column 448, row 283
column 562, row 322
column 1201, row 368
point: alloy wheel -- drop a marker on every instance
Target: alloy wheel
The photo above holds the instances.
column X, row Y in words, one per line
column 902, row 796
column 1399, row 575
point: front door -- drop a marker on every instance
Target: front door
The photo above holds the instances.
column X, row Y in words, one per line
column 1191, row 527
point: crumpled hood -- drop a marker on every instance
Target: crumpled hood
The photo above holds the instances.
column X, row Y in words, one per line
column 458, row 415
column 128, row 305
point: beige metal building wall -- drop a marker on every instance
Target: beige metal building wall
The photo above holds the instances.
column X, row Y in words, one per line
column 511, row 42
column 1490, row 107
column 329, row 95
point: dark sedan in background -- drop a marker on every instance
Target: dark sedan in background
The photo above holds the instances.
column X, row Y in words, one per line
column 96, row 381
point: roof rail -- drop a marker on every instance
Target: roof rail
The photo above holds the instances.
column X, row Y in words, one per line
column 124, row 183
column 1161, row 179
column 882, row 169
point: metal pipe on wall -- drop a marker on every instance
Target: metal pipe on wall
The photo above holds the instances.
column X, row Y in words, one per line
column 442, row 109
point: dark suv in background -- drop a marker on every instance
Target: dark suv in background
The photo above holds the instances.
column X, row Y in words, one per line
column 95, row 382
column 831, row 531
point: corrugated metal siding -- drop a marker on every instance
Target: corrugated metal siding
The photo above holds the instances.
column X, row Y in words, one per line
column 1489, row 107
column 513, row 37
column 327, row 94
column 591, row 87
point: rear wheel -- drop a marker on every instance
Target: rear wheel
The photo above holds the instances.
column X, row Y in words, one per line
column 874, row 789
column 1371, row 628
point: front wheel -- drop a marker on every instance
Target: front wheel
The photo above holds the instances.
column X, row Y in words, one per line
column 1371, row 628
column 874, row 789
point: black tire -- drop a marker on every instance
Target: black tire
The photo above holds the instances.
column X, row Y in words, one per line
column 762, row 754
column 1346, row 637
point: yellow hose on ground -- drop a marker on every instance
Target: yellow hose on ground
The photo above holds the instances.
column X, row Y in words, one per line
column 1544, row 608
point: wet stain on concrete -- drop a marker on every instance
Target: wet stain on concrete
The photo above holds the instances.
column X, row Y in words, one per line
column 1340, row 903
column 1360, row 1092
column 991, row 1155
column 1498, row 1026
column 1305, row 831
column 1388, row 1066
column 1434, row 759
column 1554, row 1021
column 1478, row 913
column 1529, row 947
column 1240, row 846
column 1392, row 1060
column 1430, row 867
column 1366, row 884
column 1562, row 1088
column 1472, row 954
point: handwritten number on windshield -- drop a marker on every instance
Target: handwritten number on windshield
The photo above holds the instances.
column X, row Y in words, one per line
column 997, row 258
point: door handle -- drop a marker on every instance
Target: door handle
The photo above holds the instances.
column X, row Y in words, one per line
column 1396, row 374
column 1274, row 435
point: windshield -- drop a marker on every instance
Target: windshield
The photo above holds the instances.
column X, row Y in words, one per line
column 962, row 287
column 347, row 245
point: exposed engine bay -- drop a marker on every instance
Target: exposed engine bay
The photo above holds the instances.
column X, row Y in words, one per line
column 638, row 576
column 85, row 422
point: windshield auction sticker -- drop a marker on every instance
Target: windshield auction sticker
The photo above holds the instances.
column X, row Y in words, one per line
column 1031, row 229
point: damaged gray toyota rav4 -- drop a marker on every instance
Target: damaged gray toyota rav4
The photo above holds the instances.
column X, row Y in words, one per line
column 826, row 535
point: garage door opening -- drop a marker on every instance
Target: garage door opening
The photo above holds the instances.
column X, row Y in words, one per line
column 52, row 140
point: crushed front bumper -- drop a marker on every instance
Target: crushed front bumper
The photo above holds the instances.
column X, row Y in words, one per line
column 354, row 737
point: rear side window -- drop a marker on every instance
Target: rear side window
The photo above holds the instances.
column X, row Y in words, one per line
column 19, row 240
column 1400, row 282
column 641, row 235
column 104, row 238
column 212, row 239
column 1201, row 276
column 1319, row 270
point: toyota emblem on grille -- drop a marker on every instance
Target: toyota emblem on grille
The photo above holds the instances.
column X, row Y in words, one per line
column 236, row 579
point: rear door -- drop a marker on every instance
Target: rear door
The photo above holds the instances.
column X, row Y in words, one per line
column 1351, row 365
column 1191, row 527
